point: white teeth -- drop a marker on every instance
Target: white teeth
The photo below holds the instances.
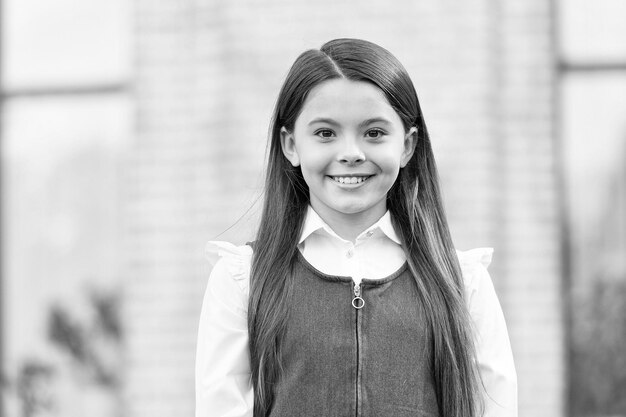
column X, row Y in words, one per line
column 350, row 180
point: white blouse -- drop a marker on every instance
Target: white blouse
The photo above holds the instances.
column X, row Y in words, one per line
column 223, row 385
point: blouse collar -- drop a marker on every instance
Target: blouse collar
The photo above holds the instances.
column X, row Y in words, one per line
column 313, row 223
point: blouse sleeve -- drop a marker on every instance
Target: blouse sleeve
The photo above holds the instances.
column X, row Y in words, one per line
column 223, row 385
column 493, row 349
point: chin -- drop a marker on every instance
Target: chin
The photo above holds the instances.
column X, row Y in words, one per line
column 355, row 208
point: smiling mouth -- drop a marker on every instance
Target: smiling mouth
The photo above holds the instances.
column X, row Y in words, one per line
column 351, row 180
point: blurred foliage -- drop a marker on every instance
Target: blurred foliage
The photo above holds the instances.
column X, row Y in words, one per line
column 93, row 347
column 598, row 352
column 33, row 388
column 90, row 345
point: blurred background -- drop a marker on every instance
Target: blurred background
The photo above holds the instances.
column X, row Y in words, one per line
column 133, row 132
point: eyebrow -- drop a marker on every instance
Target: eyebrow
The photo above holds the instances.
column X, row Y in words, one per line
column 362, row 124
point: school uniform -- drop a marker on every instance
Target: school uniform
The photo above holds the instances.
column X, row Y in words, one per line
column 341, row 360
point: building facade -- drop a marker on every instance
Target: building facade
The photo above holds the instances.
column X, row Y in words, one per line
column 207, row 76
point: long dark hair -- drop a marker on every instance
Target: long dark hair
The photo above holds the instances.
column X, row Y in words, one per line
column 417, row 212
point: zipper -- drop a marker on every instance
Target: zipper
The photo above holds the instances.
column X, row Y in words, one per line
column 357, row 303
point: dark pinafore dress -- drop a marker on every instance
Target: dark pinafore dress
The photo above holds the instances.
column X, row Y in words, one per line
column 344, row 361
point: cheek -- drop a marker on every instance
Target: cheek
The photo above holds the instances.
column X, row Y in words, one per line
column 390, row 162
column 313, row 177
column 310, row 172
column 312, row 161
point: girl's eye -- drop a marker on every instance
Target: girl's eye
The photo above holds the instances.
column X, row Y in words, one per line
column 374, row 134
column 325, row 133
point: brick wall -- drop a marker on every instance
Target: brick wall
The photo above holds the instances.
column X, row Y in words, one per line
column 207, row 77
column 527, row 200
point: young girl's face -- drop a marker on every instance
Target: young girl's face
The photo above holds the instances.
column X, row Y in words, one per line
column 350, row 145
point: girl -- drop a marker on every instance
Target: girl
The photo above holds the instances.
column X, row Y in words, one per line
column 352, row 300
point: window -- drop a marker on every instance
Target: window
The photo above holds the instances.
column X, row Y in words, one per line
column 67, row 120
column 593, row 138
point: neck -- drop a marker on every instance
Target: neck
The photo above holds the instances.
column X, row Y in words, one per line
column 349, row 226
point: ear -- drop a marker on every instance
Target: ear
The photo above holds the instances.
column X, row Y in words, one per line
column 410, row 140
column 288, row 144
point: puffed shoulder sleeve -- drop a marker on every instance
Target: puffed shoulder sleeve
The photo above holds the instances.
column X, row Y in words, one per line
column 230, row 264
column 493, row 348
column 223, row 385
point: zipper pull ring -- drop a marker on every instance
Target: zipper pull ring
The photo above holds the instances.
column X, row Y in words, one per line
column 357, row 301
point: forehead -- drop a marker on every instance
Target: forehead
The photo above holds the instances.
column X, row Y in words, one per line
column 347, row 101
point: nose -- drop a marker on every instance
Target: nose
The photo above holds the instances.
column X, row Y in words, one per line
column 351, row 153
